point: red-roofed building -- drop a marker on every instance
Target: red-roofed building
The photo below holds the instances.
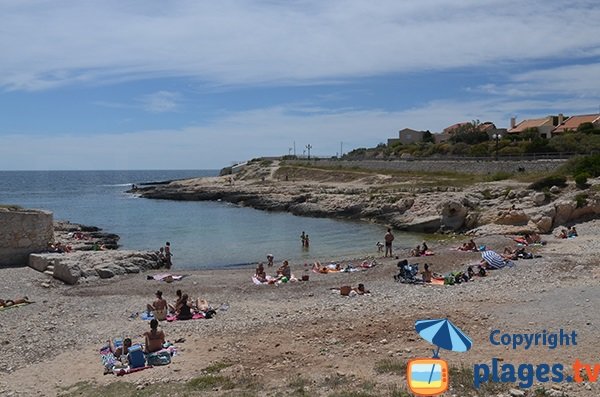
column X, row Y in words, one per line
column 544, row 126
column 573, row 122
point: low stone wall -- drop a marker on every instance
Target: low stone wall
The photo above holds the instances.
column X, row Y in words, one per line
column 463, row 166
column 22, row 232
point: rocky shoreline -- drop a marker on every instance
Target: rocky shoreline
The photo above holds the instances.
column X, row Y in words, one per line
column 87, row 254
column 501, row 207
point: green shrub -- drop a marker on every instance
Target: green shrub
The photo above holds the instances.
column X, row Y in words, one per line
column 581, row 200
column 586, row 164
column 548, row 182
column 581, row 180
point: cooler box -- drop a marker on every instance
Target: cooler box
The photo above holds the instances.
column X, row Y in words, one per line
column 136, row 357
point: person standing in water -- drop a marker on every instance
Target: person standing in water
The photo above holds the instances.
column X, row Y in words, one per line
column 303, row 238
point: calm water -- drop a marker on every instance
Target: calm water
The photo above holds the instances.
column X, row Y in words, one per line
column 202, row 234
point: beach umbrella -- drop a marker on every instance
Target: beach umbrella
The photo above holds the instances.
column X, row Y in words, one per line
column 443, row 334
column 493, row 259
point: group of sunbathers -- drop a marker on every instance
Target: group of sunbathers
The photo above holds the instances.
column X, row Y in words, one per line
column 421, row 250
column 283, row 273
column 564, row 233
column 182, row 309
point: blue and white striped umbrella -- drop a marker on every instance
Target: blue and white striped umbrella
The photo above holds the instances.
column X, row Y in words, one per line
column 444, row 334
column 493, row 259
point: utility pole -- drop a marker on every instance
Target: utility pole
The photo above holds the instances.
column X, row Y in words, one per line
column 341, row 149
column 308, row 147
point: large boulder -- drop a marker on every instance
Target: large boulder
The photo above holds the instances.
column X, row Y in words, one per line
column 544, row 224
column 40, row 262
column 564, row 209
column 453, row 215
column 512, row 217
column 67, row 271
column 538, row 198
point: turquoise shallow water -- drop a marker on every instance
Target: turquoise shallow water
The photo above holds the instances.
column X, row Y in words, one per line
column 202, row 234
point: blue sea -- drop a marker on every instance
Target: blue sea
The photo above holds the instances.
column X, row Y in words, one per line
column 202, row 234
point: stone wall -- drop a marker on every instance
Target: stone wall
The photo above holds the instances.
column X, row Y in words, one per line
column 22, row 232
column 463, row 166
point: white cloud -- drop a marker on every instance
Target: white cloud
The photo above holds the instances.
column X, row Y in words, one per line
column 47, row 44
column 161, row 101
column 235, row 137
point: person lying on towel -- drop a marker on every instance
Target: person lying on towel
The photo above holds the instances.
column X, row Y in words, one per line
column 12, row 302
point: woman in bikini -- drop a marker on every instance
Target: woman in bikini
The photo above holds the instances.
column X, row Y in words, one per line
column 154, row 338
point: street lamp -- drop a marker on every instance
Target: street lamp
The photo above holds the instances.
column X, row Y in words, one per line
column 309, row 146
column 497, row 137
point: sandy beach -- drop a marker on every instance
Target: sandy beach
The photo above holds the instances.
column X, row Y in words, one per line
column 302, row 338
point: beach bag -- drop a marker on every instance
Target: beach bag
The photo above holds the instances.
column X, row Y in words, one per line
column 345, row 290
column 305, row 277
column 162, row 357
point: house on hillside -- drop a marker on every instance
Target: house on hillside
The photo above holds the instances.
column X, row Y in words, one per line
column 544, row 126
column 488, row 127
column 407, row 136
column 573, row 123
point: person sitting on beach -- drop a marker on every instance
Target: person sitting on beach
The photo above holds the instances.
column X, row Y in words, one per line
column 426, row 274
column 563, row 233
column 158, row 307
column 121, row 350
column 360, row 290
column 470, row 272
column 379, row 246
column 284, row 271
column 175, row 307
column 185, row 311
column 12, row 302
column 572, row 232
column 260, row 274
column 154, row 338
column 424, row 248
column 469, row 246
column 416, row 251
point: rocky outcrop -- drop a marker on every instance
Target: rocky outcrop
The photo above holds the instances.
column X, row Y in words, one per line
column 74, row 267
column 505, row 207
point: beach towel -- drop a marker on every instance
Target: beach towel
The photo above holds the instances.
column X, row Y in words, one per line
column 14, row 306
column 165, row 277
column 437, row 281
column 195, row 316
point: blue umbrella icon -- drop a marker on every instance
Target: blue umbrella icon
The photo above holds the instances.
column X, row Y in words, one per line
column 443, row 334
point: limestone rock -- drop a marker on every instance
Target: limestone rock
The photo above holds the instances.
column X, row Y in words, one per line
column 538, row 198
column 40, row 262
column 67, row 272
column 564, row 209
column 512, row 217
column 453, row 214
column 544, row 224
column 105, row 272
column 554, row 190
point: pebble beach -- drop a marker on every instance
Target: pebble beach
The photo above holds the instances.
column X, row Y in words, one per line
column 304, row 329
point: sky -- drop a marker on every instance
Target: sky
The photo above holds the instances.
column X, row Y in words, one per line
column 149, row 84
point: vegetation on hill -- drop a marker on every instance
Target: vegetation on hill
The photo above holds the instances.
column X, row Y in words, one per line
column 474, row 143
